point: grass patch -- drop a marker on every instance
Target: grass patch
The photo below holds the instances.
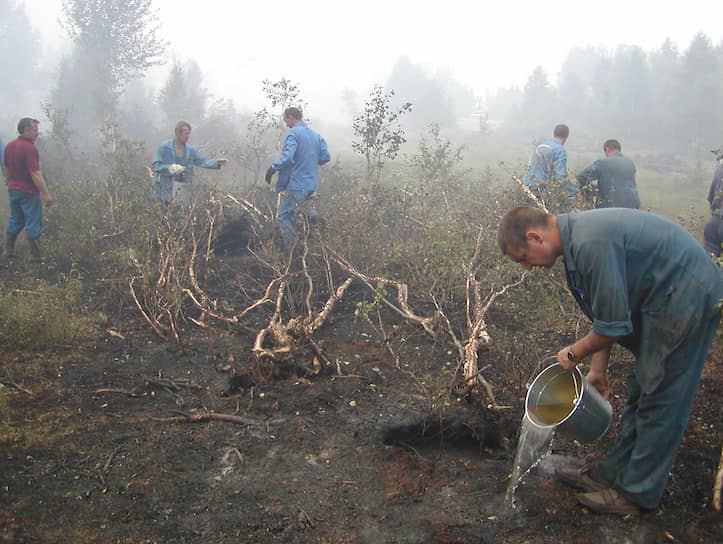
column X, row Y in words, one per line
column 41, row 315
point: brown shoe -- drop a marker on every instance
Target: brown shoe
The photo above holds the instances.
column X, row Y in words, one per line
column 579, row 477
column 608, row 501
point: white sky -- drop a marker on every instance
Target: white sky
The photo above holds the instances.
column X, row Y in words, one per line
column 328, row 45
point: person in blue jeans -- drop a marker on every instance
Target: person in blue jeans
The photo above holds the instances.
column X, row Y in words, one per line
column 26, row 189
column 173, row 167
column 713, row 232
column 648, row 285
column 302, row 153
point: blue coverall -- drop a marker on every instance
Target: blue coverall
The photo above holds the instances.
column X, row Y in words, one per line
column 615, row 175
column 303, row 151
column 165, row 156
column 645, row 279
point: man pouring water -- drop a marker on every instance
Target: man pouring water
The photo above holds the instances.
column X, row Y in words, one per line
column 648, row 285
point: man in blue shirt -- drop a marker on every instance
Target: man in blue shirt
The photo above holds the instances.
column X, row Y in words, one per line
column 548, row 161
column 173, row 167
column 615, row 175
column 647, row 284
column 303, row 151
column 713, row 233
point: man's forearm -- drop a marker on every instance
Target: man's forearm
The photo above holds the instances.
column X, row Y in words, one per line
column 591, row 344
column 599, row 360
column 39, row 182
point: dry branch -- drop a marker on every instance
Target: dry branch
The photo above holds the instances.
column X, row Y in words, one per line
column 718, row 483
column 477, row 336
column 157, row 327
column 329, row 305
column 126, row 392
column 12, row 383
column 427, row 323
column 532, row 196
column 200, row 418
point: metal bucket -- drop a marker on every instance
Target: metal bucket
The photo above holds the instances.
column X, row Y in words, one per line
column 565, row 400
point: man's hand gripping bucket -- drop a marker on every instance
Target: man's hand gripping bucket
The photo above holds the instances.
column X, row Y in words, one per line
column 565, row 400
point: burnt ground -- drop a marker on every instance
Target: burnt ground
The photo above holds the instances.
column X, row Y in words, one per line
column 89, row 452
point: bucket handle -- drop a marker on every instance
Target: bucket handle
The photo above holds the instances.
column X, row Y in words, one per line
column 547, row 361
column 579, row 388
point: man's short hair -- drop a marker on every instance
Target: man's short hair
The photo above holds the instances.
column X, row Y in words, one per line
column 512, row 234
column 181, row 125
column 612, row 145
column 293, row 112
column 561, row 131
column 26, row 122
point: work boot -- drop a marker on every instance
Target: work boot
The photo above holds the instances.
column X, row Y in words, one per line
column 608, row 501
column 35, row 255
column 10, row 245
column 580, row 477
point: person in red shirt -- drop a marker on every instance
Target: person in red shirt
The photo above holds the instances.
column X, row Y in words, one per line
column 26, row 189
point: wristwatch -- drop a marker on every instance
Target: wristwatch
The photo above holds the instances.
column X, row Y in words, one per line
column 571, row 356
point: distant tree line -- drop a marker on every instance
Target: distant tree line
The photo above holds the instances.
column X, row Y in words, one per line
column 661, row 98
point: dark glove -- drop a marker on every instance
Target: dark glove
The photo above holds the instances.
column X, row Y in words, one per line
column 269, row 174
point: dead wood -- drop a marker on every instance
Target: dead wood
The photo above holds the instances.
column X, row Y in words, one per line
column 11, row 383
column 478, row 338
column 403, row 308
column 529, row 194
column 200, row 418
column 126, row 392
column 718, row 483
column 173, row 385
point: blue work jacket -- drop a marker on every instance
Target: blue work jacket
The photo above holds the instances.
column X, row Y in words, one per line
column 548, row 159
column 640, row 277
column 166, row 156
column 615, row 175
column 303, row 151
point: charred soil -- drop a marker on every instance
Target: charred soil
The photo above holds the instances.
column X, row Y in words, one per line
column 126, row 439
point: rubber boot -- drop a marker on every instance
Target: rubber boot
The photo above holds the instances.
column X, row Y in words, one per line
column 35, row 255
column 10, row 245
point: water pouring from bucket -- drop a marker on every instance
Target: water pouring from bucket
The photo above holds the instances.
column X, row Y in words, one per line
column 557, row 399
column 564, row 400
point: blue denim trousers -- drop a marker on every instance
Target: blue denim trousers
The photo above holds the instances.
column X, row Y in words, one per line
column 26, row 212
column 287, row 216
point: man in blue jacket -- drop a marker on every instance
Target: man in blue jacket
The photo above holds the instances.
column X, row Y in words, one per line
column 648, row 285
column 303, row 151
column 173, row 167
column 615, row 175
column 549, row 160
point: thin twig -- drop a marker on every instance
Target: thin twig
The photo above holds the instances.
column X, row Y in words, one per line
column 228, row 418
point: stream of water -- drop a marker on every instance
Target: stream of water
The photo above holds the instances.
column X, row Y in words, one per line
column 533, row 444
